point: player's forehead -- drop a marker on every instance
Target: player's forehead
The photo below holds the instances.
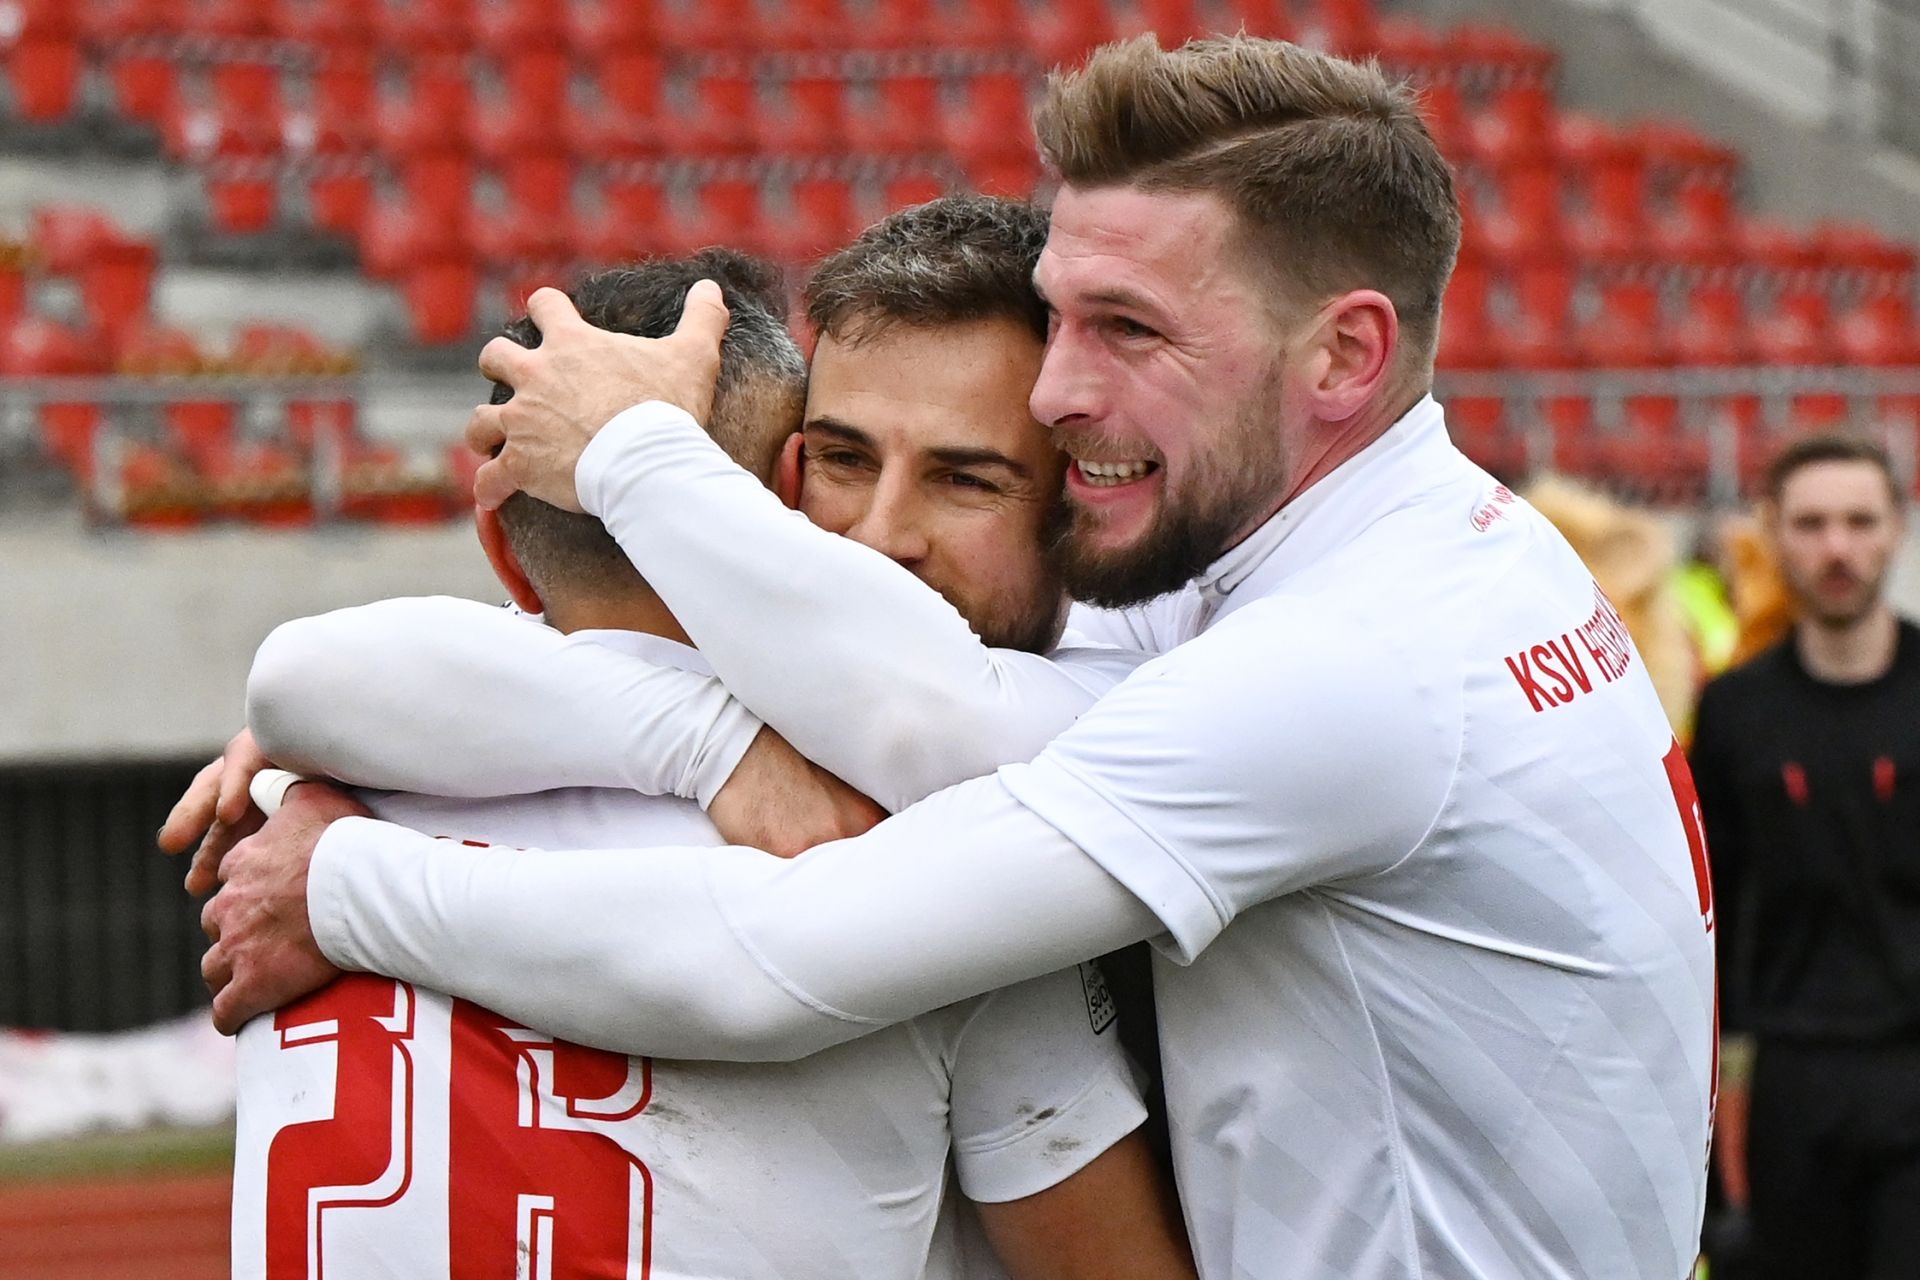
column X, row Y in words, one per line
column 1162, row 249
column 913, row 389
column 1835, row 486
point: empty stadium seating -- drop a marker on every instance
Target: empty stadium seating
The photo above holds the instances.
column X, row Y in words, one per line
column 469, row 149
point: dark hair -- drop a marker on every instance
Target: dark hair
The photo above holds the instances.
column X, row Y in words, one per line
column 757, row 401
column 1810, row 450
column 1334, row 178
column 952, row 260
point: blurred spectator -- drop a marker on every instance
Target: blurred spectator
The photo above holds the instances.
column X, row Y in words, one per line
column 1807, row 761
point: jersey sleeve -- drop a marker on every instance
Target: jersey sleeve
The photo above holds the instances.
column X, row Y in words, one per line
column 1278, row 751
column 866, row 670
column 1153, row 627
column 455, row 698
column 725, row 954
column 1040, row 1085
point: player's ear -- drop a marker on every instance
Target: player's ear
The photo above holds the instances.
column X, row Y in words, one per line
column 506, row 567
column 788, row 473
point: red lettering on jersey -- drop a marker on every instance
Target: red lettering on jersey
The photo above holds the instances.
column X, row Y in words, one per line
column 1490, row 510
column 1795, row 780
column 1680, row 779
column 1883, row 779
column 360, row 1156
column 1570, row 660
column 530, row 1176
column 1523, row 676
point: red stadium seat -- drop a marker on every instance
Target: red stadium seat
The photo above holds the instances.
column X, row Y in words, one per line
column 1174, row 21
column 810, row 119
column 822, row 219
column 982, row 24
column 724, row 119
column 1444, row 108
column 1256, row 17
column 423, row 27
column 636, row 221
column 907, row 189
column 1878, row 332
column 1527, row 225
column 598, row 28
column 903, row 24
column 437, row 186
column 345, row 94
column 66, row 237
column 158, row 490
column 1516, row 127
column 241, row 165
column 901, row 115
column 116, row 285
column 992, row 120
column 235, row 19
column 38, row 347
column 1062, row 31
column 510, row 26
column 710, row 24
column 800, row 25
column 437, row 113
column 440, row 298
column 333, row 24
column 260, row 482
column 43, row 73
column 728, row 212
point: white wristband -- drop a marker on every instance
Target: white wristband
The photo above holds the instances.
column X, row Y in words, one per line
column 269, row 788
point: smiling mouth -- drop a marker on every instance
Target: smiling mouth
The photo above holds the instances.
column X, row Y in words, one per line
column 1106, row 474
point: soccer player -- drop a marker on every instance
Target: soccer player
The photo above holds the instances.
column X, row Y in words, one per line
column 1806, row 758
column 1399, row 802
column 385, row 1129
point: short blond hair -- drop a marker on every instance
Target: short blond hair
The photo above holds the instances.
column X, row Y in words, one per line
column 1334, row 177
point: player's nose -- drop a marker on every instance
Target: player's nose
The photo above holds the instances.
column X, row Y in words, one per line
column 892, row 524
column 1067, row 386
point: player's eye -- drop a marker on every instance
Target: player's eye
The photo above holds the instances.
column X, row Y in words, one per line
column 1128, row 327
column 832, row 457
column 967, row 480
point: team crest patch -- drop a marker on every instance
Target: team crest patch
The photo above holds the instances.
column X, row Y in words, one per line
column 1100, row 1010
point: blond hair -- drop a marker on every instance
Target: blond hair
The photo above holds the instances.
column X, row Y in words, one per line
column 1336, row 182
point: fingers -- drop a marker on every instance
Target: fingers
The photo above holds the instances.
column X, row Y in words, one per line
column 505, row 360
column 210, row 922
column 550, row 309
column 486, row 430
column 493, row 484
column 233, row 1007
column 203, row 877
column 703, row 317
column 193, row 813
column 242, row 761
column 216, row 969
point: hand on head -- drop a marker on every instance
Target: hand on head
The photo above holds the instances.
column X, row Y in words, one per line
column 578, row 378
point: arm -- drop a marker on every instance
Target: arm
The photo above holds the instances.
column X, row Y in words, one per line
column 1046, row 1113
column 860, row 665
column 1720, row 813
column 451, row 697
column 1115, row 1218
column 1246, row 793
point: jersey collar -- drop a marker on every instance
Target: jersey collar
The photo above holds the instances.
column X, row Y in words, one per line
column 1410, row 456
column 658, row 650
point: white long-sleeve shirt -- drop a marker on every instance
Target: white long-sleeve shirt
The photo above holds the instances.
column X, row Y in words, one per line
column 385, row 1129
column 1436, row 998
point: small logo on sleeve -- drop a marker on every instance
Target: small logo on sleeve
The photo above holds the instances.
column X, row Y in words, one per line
column 1100, row 1010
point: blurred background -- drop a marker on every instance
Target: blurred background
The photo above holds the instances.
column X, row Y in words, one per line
column 249, row 248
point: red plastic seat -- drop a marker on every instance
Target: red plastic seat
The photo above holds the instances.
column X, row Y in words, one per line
column 822, row 219
column 636, row 219
column 66, row 237
column 598, row 28
column 281, row 351
column 236, row 19
column 810, row 118
column 158, row 490
column 436, row 114
column 438, row 186
column 903, row 24
column 346, row 94
column 1061, row 32
column 1611, row 167
column 396, row 236
column 440, row 297
column 1349, row 27
column 991, row 120
column 423, row 27
column 803, row 25
column 512, row 26
column 257, row 481
column 1444, row 108
column 339, row 172
column 334, row 24
column 38, row 347
column 538, row 220
column 1013, row 174
column 44, row 74
column 1516, row 127
column 628, row 118
column 710, row 24
column 1528, row 223
column 728, row 211
column 1272, row 18
column 906, row 189
column 1879, row 332
column 900, row 114
column 1698, row 231
column 241, row 161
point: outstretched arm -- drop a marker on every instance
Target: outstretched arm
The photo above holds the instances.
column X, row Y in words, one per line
column 451, row 697
column 860, row 665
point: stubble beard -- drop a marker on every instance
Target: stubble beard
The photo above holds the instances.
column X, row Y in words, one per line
column 1191, row 528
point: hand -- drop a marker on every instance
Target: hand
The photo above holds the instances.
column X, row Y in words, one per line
column 577, row 379
column 1730, row 1143
column 216, row 811
column 263, row 954
column 780, row 801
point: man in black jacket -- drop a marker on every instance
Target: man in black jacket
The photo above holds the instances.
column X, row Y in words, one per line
column 1807, row 761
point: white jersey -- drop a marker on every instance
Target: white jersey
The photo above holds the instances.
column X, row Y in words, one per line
column 1436, row 999
column 387, row 1130
column 1452, row 1017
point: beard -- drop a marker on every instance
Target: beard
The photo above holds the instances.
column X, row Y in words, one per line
column 1225, row 493
column 1839, row 605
